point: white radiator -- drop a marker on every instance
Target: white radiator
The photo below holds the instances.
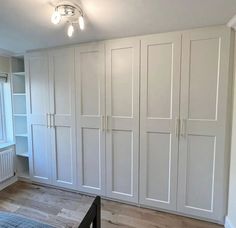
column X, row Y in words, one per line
column 6, row 164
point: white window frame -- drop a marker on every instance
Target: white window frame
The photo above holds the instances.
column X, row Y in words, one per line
column 2, row 113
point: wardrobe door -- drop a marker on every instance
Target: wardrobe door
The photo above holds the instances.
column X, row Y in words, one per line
column 62, row 110
column 122, row 119
column 90, row 111
column 159, row 110
column 38, row 118
column 204, row 88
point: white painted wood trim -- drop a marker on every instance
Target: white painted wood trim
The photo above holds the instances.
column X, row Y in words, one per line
column 36, row 119
column 123, row 122
column 85, row 121
column 232, row 22
column 159, row 125
column 62, row 120
column 8, row 183
column 217, row 210
column 222, row 190
column 228, row 223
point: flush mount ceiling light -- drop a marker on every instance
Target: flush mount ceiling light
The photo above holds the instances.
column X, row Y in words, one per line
column 73, row 15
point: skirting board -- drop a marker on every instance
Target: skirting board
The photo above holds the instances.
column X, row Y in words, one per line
column 228, row 224
column 8, row 182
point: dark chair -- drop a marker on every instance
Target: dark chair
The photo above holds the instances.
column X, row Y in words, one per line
column 93, row 216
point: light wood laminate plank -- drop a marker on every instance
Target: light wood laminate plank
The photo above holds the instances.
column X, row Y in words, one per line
column 66, row 209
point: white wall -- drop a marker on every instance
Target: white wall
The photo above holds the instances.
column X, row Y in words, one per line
column 231, row 218
column 4, row 64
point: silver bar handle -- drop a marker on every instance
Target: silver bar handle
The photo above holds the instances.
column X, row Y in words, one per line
column 52, row 120
column 183, row 128
column 107, row 123
column 103, row 126
column 48, row 120
column 177, row 127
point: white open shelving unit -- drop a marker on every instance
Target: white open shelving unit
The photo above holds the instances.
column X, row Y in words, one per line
column 20, row 116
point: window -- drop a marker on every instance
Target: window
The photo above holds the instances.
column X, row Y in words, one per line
column 2, row 116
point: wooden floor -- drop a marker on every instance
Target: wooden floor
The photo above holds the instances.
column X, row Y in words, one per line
column 65, row 209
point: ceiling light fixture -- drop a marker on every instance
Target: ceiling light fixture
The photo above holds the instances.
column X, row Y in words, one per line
column 81, row 22
column 70, row 30
column 56, row 17
column 72, row 13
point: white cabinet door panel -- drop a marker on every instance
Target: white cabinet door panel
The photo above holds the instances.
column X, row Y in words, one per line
column 90, row 160
column 62, row 106
column 65, row 165
column 37, row 108
column 40, row 157
column 90, row 110
column 122, row 168
column 122, row 111
column 159, row 112
column 160, row 142
column 205, row 59
column 200, row 171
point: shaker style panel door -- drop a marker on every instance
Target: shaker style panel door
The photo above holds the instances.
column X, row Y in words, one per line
column 204, row 81
column 38, row 118
column 90, row 111
column 62, row 114
column 122, row 119
column 159, row 113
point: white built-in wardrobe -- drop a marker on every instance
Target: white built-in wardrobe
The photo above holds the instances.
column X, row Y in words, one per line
column 142, row 120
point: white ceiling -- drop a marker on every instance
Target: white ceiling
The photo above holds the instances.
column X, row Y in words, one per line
column 26, row 25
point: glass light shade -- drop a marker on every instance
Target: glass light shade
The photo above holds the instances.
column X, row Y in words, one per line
column 81, row 22
column 70, row 30
column 56, row 17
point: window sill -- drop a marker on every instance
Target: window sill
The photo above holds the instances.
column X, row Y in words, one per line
column 5, row 145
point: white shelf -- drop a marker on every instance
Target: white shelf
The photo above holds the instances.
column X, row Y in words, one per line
column 21, row 145
column 17, row 65
column 19, row 73
column 26, row 154
column 20, row 122
column 21, row 135
column 19, row 104
column 18, row 84
column 20, row 115
column 19, row 94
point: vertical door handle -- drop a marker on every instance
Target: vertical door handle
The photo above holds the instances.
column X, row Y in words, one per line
column 48, row 120
column 52, row 120
column 177, row 127
column 103, row 126
column 107, row 123
column 183, row 127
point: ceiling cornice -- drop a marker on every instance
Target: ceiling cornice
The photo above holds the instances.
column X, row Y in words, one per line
column 232, row 23
column 6, row 53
